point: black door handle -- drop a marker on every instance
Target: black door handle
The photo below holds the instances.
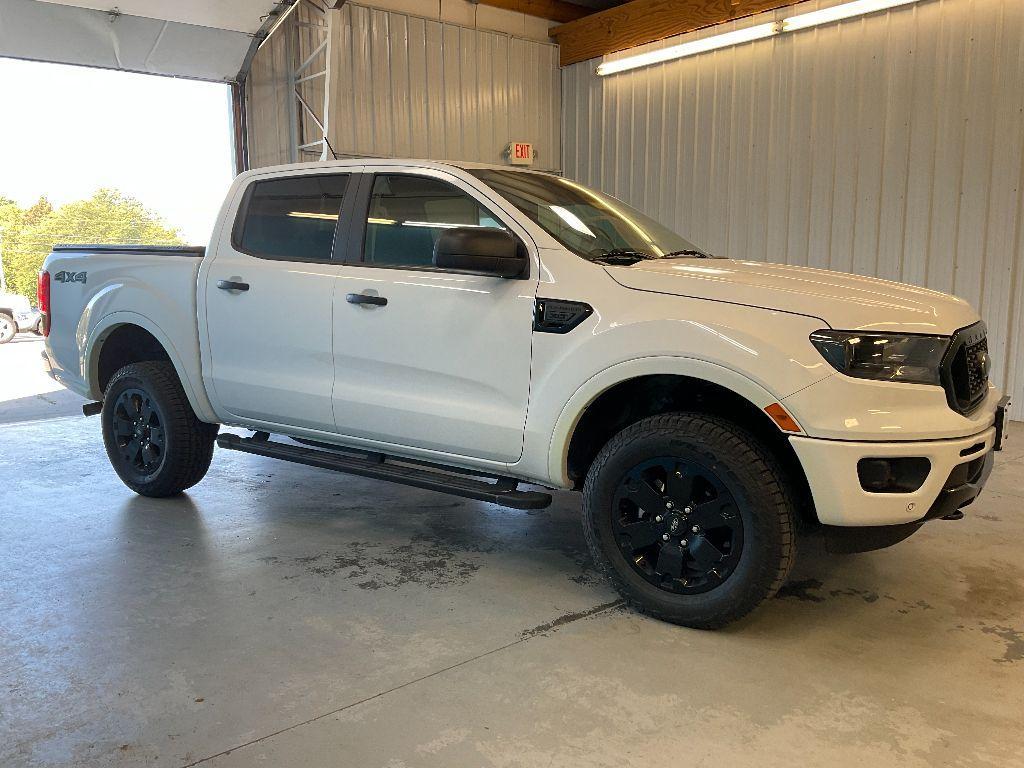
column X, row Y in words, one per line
column 231, row 285
column 363, row 298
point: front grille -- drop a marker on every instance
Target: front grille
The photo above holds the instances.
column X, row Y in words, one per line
column 965, row 368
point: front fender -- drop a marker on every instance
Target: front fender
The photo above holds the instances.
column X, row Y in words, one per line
column 600, row 383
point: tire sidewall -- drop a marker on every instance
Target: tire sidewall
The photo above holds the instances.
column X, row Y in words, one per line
column 762, row 547
column 130, row 379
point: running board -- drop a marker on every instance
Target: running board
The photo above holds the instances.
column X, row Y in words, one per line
column 503, row 491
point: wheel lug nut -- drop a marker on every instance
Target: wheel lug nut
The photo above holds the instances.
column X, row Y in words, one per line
column 679, row 474
column 658, row 518
column 683, row 542
column 688, row 510
column 696, row 529
column 669, row 505
column 664, row 536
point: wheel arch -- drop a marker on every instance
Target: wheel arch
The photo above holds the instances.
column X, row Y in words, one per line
column 628, row 392
column 124, row 337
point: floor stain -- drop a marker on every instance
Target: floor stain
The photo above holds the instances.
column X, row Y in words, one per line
column 994, row 592
column 1014, row 640
column 868, row 596
column 568, row 618
column 802, row 590
column 373, row 566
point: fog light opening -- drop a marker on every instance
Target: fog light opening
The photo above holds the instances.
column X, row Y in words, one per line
column 893, row 475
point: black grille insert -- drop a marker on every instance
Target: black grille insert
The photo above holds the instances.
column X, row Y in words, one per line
column 965, row 368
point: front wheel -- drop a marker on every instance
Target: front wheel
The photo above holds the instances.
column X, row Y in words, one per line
column 154, row 441
column 691, row 518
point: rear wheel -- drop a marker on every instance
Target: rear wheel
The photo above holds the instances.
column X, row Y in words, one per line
column 691, row 519
column 8, row 328
column 154, row 441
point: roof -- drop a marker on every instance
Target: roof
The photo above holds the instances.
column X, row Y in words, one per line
column 350, row 162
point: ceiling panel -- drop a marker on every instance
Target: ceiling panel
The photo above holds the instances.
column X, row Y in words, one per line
column 236, row 15
column 67, row 34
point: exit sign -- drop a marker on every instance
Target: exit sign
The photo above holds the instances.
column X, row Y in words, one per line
column 520, row 153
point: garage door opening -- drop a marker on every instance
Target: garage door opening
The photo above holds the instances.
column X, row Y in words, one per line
column 98, row 156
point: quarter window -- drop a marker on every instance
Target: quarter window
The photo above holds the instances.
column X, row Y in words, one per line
column 408, row 214
column 294, row 218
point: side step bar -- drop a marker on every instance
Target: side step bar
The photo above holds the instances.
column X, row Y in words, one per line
column 505, row 491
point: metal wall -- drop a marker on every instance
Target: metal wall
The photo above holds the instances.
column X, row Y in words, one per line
column 280, row 129
column 406, row 86
column 889, row 145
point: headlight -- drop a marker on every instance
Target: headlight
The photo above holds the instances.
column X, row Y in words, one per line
column 883, row 356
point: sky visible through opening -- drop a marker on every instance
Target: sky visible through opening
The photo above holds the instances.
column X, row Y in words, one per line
column 67, row 131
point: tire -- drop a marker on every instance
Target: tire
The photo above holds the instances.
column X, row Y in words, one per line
column 154, row 441
column 8, row 328
column 728, row 492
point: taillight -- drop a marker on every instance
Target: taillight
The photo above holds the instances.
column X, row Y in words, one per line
column 43, row 295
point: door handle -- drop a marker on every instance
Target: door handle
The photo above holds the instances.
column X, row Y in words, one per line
column 231, row 285
column 363, row 298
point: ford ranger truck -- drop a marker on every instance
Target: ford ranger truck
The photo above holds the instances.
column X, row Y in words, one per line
column 467, row 328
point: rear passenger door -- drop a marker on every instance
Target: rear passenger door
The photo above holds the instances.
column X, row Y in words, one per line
column 268, row 299
column 444, row 365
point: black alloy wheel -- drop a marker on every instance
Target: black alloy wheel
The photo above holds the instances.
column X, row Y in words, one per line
column 691, row 517
column 155, row 442
column 138, row 429
column 677, row 524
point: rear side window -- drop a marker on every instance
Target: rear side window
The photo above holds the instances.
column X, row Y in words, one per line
column 292, row 219
column 409, row 213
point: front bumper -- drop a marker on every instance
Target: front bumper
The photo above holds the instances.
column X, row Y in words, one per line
column 839, row 499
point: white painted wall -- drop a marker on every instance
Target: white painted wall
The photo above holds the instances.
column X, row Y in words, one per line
column 889, row 145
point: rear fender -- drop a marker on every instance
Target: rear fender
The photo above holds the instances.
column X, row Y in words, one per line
column 108, row 323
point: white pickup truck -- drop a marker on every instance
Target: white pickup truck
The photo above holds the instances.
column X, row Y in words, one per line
column 465, row 328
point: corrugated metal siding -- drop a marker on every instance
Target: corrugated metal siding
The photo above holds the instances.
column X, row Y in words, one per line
column 404, row 86
column 276, row 125
column 266, row 97
column 889, row 145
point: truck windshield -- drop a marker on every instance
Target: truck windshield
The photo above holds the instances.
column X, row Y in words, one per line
column 595, row 226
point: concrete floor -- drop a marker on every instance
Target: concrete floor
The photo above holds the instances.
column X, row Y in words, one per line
column 285, row 616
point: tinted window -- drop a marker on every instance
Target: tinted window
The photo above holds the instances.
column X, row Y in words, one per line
column 292, row 218
column 409, row 213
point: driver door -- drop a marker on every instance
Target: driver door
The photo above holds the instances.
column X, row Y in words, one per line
column 444, row 365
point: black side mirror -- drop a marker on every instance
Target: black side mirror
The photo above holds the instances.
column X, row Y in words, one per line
column 481, row 251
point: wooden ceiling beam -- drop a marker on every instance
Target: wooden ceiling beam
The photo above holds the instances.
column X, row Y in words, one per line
column 553, row 10
column 644, row 21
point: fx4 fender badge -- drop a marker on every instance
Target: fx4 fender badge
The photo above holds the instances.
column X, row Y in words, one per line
column 70, row 277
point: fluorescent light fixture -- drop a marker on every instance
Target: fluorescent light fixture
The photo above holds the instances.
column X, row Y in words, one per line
column 691, row 48
column 758, row 32
column 311, row 215
column 838, row 12
column 572, row 220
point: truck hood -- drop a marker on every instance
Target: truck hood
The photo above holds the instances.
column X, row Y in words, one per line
column 847, row 302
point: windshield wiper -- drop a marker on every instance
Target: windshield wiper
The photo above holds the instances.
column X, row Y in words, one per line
column 621, row 257
column 689, row 252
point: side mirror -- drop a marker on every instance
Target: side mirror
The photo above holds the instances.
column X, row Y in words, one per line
column 481, row 251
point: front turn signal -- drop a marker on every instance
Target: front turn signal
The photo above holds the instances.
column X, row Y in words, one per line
column 782, row 419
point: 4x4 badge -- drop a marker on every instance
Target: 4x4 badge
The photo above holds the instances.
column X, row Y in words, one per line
column 70, row 277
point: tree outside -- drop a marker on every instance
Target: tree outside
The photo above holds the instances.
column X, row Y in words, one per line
column 28, row 234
